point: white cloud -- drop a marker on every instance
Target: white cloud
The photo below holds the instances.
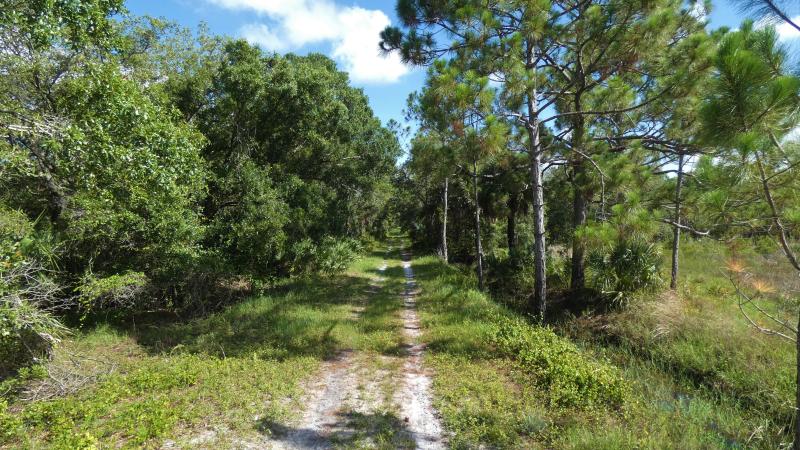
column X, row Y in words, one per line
column 786, row 31
column 260, row 34
column 352, row 33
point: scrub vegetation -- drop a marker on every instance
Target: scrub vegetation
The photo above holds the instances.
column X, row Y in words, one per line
column 590, row 239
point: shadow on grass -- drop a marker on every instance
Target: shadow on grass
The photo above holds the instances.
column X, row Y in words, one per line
column 307, row 317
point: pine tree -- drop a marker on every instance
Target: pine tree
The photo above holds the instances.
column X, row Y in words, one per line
column 754, row 103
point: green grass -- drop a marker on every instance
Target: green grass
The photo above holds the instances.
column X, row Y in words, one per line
column 695, row 345
column 669, row 371
column 499, row 380
column 231, row 374
column 708, row 385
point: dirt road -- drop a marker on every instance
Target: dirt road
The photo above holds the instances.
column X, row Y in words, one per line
column 370, row 400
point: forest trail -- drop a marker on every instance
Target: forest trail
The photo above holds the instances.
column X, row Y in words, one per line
column 362, row 399
column 415, row 396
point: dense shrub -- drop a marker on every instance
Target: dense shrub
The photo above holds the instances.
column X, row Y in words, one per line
column 115, row 291
column 27, row 335
column 557, row 367
column 626, row 267
column 136, row 175
column 512, row 279
column 27, row 330
column 248, row 227
column 330, row 256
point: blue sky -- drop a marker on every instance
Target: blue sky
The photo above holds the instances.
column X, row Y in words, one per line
column 345, row 30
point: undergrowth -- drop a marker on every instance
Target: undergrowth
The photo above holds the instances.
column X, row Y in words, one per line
column 503, row 382
column 211, row 381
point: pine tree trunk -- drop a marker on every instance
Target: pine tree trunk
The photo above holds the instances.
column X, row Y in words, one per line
column 579, row 200
column 579, row 206
column 444, row 220
column 676, row 230
column 478, row 247
column 539, row 255
column 511, row 223
column 537, row 189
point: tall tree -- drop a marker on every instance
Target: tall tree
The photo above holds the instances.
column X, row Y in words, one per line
column 459, row 103
column 608, row 75
column 753, row 105
column 570, row 66
column 500, row 40
column 434, row 158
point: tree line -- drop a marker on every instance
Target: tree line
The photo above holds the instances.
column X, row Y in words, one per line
column 564, row 144
column 144, row 166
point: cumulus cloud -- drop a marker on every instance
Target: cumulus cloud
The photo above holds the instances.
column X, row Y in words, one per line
column 260, row 34
column 352, row 33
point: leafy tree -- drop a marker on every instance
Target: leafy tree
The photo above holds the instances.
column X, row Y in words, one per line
column 295, row 152
column 40, row 24
column 127, row 176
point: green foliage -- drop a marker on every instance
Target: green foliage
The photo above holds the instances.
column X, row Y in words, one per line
column 266, row 204
column 16, row 234
column 512, row 278
column 627, row 267
column 753, row 94
column 249, row 232
column 184, row 160
column 27, row 335
column 558, row 367
column 330, row 257
column 137, row 174
column 46, row 21
column 10, row 424
column 27, row 332
column 115, row 291
column 500, row 380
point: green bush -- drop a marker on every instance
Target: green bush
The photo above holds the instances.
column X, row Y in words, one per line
column 331, row 256
column 557, row 367
column 27, row 334
column 10, row 424
column 135, row 175
column 512, row 279
column 27, row 331
column 115, row 291
column 626, row 267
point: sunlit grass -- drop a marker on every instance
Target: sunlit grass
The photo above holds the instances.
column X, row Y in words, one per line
column 698, row 377
column 214, row 380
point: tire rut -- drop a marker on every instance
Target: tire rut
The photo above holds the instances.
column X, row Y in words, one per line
column 415, row 398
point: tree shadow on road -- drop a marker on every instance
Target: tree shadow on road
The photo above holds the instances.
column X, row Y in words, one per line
column 345, row 429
